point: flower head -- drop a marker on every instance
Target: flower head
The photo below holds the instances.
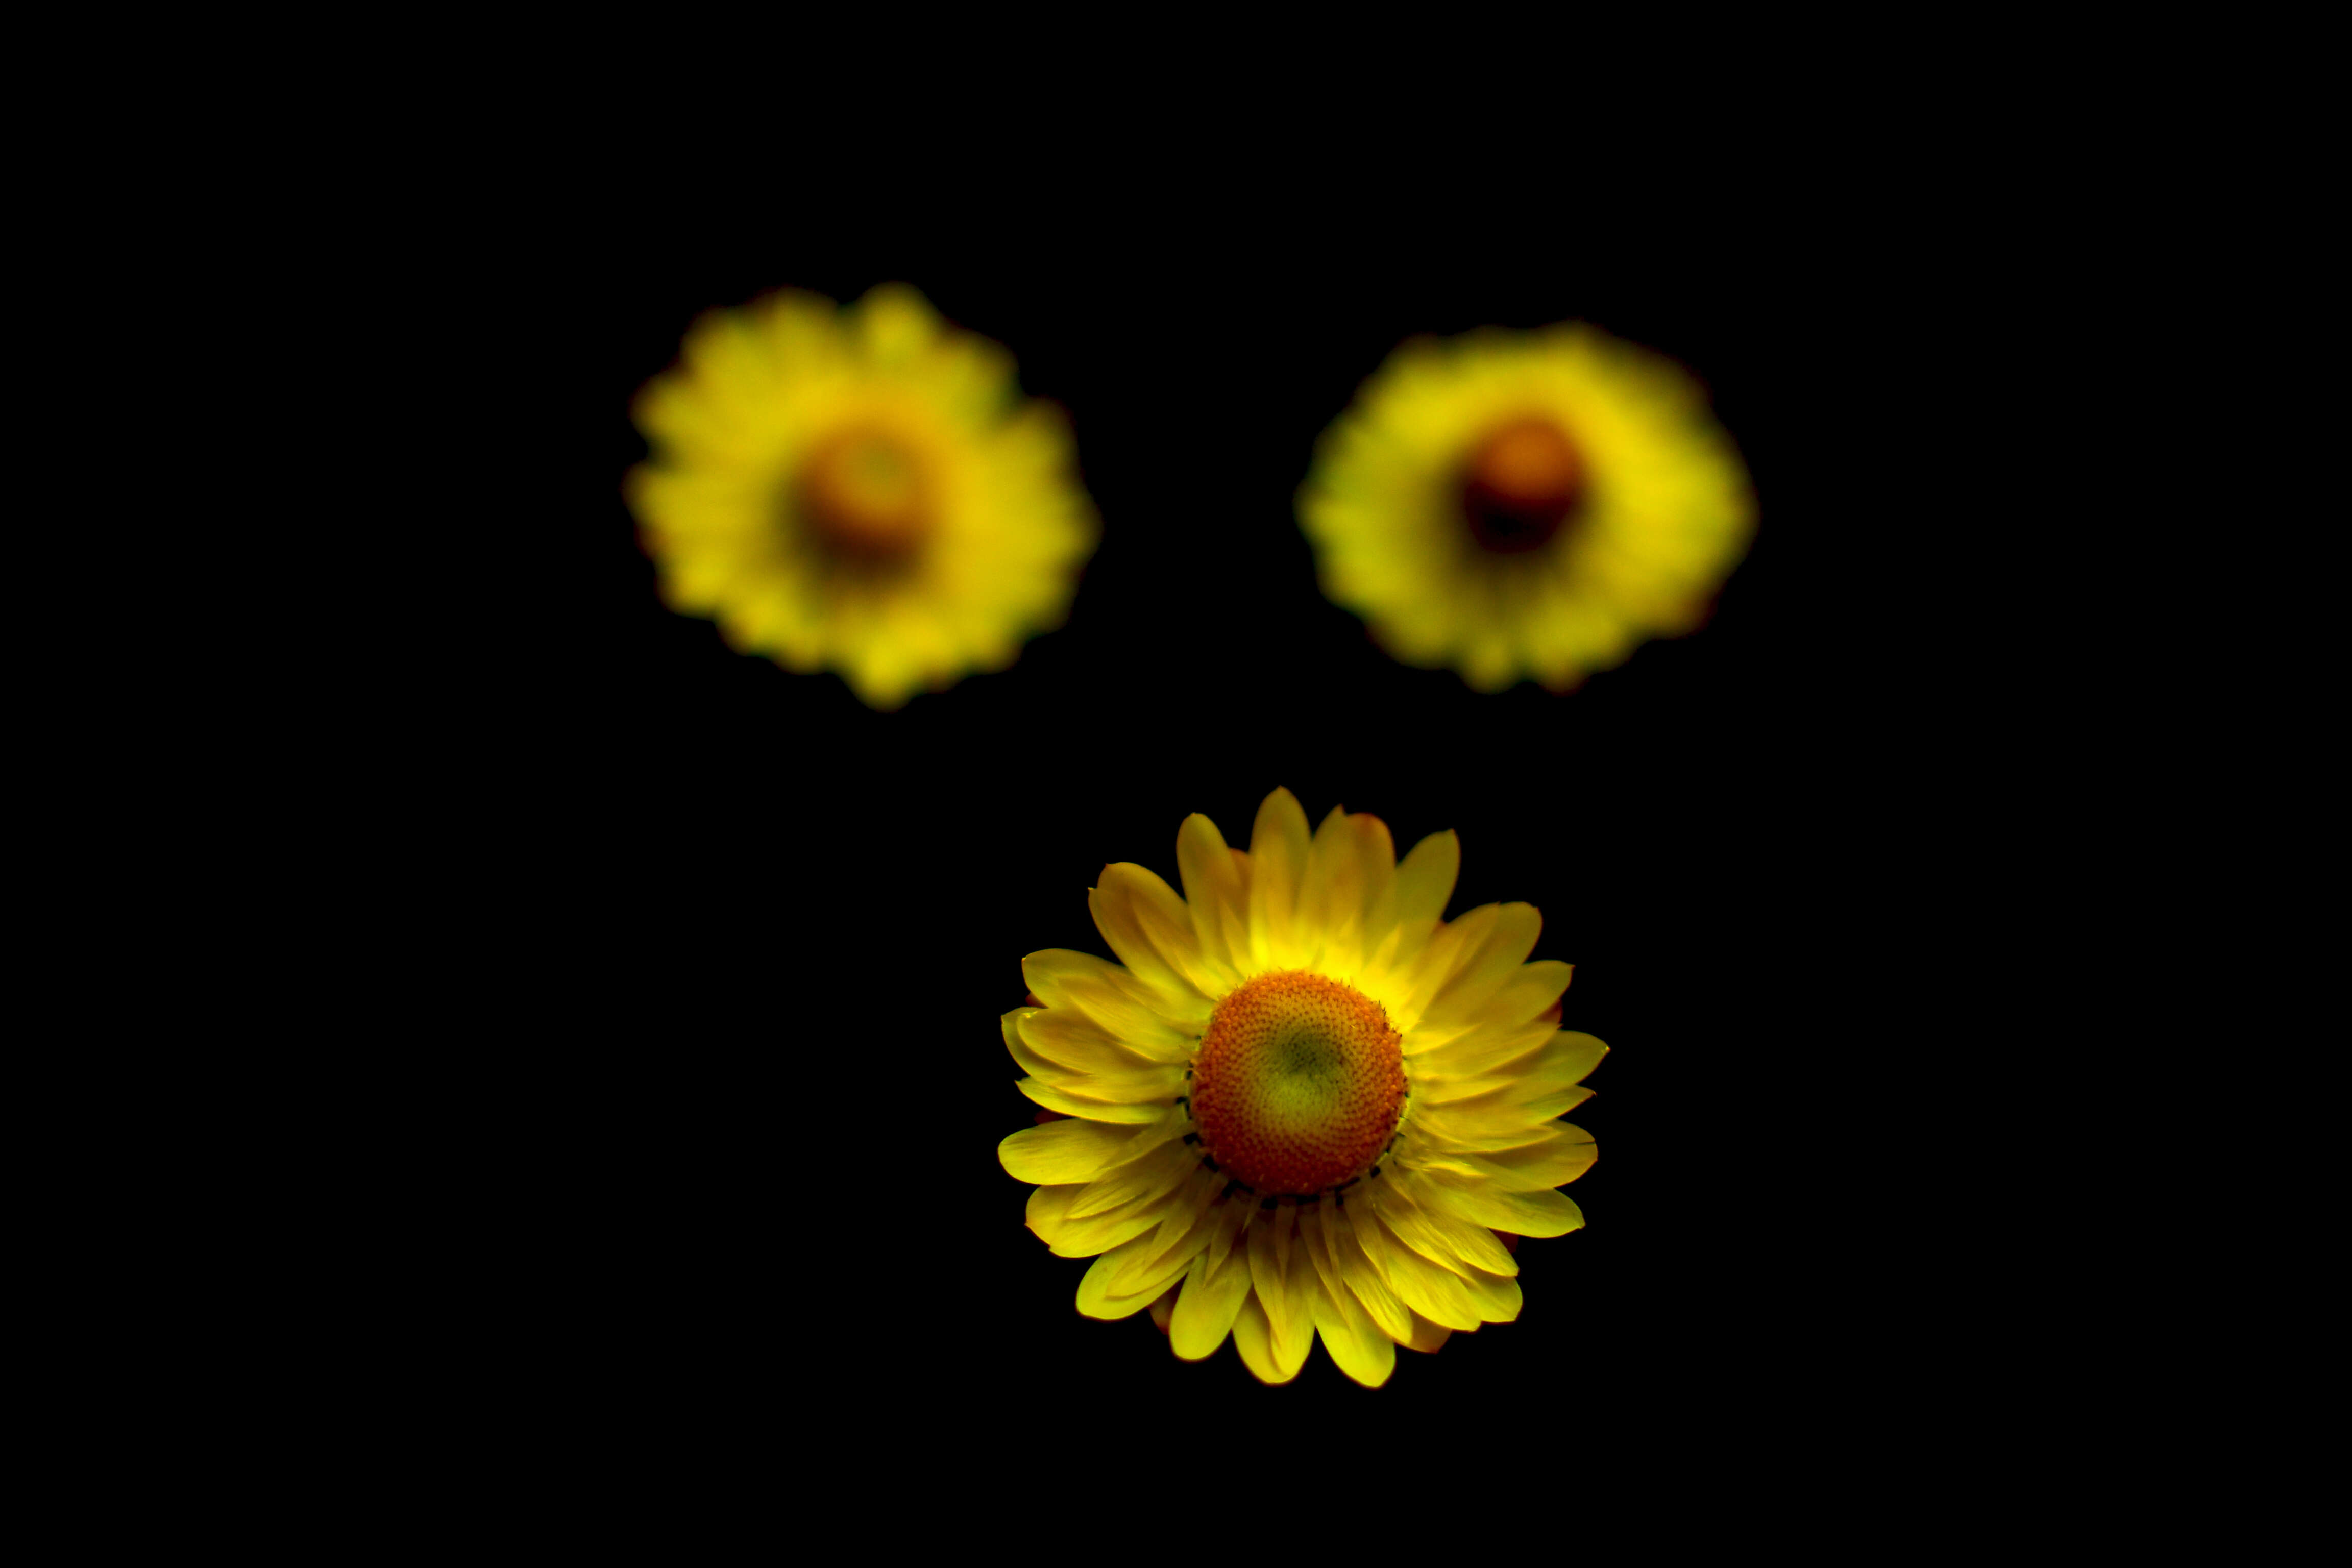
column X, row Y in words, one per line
column 1302, row 1104
column 1531, row 504
column 859, row 490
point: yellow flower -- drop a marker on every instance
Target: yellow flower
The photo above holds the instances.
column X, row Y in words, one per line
column 1525, row 504
column 1303, row 1101
column 858, row 490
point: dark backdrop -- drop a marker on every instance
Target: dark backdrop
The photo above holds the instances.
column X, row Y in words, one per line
column 762, row 1171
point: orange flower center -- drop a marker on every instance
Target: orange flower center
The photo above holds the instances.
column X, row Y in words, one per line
column 867, row 495
column 1521, row 483
column 1298, row 1084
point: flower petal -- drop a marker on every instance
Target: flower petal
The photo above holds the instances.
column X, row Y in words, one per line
column 1379, row 1302
column 1152, row 930
column 1450, row 947
column 1048, row 1209
column 1150, row 1174
column 1427, row 1337
column 1481, row 1201
column 1437, row 1234
column 1273, row 1261
column 1436, row 1292
column 1254, row 1337
column 1481, row 1126
column 1094, row 1234
column 1562, row 1152
column 1211, row 1297
column 1184, row 1227
column 1357, row 1347
column 1424, row 881
column 1484, row 968
column 1214, row 893
column 1332, row 900
column 1095, row 1300
column 1564, row 1058
column 1472, row 1053
column 1277, row 852
column 1066, row 1037
column 1527, row 991
column 1145, row 1275
column 1376, row 853
column 1028, row 1060
column 1053, row 1098
column 1140, row 1016
column 1064, row 1152
column 1154, row 1085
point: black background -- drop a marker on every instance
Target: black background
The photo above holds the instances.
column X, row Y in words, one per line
column 762, row 1149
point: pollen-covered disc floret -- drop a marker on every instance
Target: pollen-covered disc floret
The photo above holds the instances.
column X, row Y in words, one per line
column 1303, row 1107
column 1299, row 1083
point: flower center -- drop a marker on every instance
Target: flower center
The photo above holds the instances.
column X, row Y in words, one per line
column 1521, row 483
column 867, row 495
column 1298, row 1084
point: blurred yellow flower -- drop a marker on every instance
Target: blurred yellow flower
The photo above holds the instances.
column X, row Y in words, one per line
column 1525, row 504
column 861, row 490
column 1302, row 1103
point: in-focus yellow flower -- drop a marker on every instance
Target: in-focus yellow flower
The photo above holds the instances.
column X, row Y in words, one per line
column 859, row 490
column 1304, row 1101
column 1525, row 504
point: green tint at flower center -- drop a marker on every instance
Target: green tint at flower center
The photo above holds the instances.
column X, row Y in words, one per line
column 1298, row 1084
column 1302, row 1077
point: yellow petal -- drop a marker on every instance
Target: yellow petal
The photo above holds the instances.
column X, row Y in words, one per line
column 1499, row 1298
column 1029, row 1061
column 1148, row 926
column 1474, row 1052
column 1481, row 1126
column 1529, row 990
column 1167, row 921
column 1064, row 1152
column 1182, row 1235
column 1484, row 968
column 1564, row 1057
column 1272, row 1238
column 1450, row 946
column 1424, row 881
column 1205, row 1309
column 1332, row 900
column 1436, row 1234
column 1427, row 1337
column 1054, row 1099
column 1214, row 892
column 1136, row 1015
column 1070, row 1040
column 1149, row 1086
column 1358, row 1348
column 1128, row 1285
column 1093, row 1298
column 1357, row 1272
column 1430, row 1289
column 1099, row 1233
column 1148, row 1175
column 1254, row 1337
column 1277, row 852
column 1557, row 1155
column 892, row 325
column 1048, row 1207
column 1376, row 853
column 1482, row 1202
